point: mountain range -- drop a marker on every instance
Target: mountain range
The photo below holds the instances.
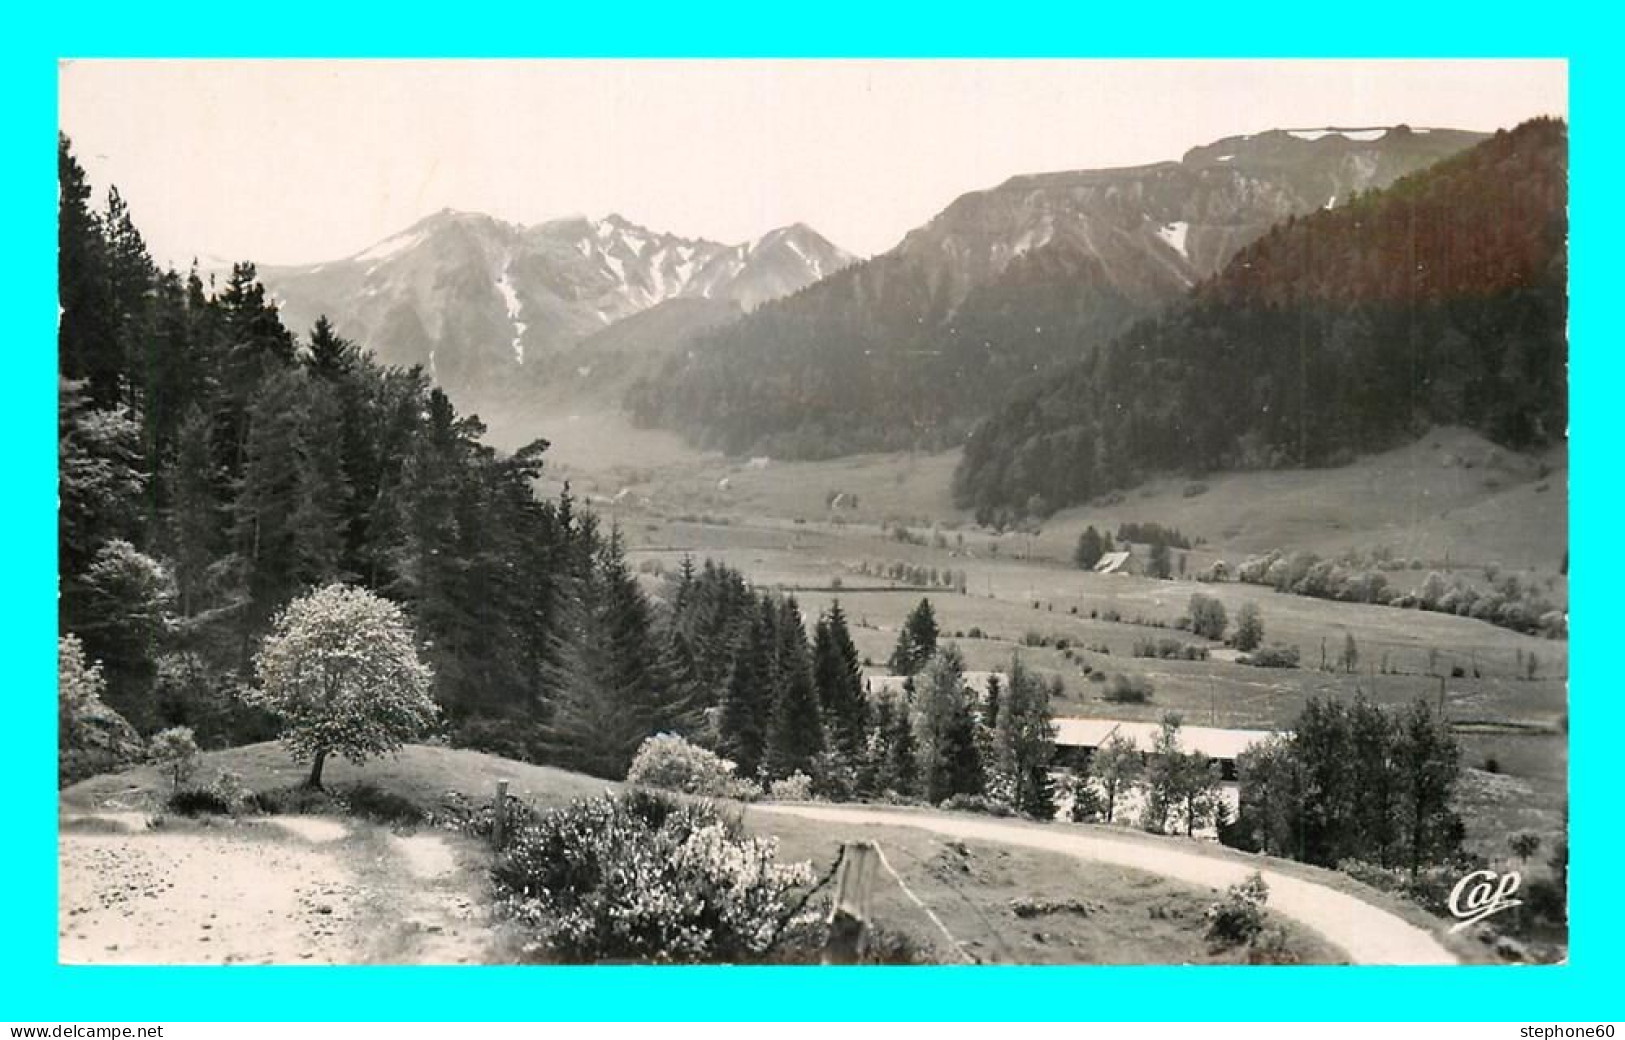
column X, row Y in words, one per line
column 486, row 307
column 788, row 346
column 911, row 348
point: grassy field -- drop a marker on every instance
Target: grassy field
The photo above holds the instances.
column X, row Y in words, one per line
column 1450, row 501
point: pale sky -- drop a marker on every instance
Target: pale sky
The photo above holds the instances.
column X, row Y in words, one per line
column 303, row 161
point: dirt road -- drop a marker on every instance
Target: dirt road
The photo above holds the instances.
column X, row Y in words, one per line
column 284, row 890
column 1368, row 934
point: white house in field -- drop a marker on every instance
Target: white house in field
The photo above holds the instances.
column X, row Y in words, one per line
column 1120, row 562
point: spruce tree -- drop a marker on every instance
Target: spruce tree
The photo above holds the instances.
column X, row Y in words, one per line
column 947, row 758
column 795, row 732
column 1089, row 550
column 916, row 641
column 838, row 675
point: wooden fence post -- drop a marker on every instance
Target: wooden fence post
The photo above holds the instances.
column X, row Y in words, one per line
column 501, row 818
column 849, row 912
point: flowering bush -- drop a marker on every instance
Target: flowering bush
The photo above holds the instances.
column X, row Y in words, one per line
column 671, row 763
column 643, row 877
column 175, row 752
column 797, row 787
column 1239, row 916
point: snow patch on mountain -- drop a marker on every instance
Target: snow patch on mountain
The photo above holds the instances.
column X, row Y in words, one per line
column 1376, row 134
column 510, row 297
column 1174, row 234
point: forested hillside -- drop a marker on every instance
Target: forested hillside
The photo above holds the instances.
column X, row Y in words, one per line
column 1439, row 300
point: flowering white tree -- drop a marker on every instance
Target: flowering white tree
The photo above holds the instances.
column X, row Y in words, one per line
column 340, row 671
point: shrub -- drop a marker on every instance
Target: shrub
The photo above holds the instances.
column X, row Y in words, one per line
column 1271, row 946
column 671, row 763
column 644, row 877
column 1087, row 804
column 797, row 787
column 1429, row 888
column 387, row 807
column 231, row 788
column 478, row 819
column 1128, row 689
column 1239, row 916
column 1208, row 618
column 298, row 800
column 197, row 801
column 1276, row 655
column 977, row 804
column 174, row 751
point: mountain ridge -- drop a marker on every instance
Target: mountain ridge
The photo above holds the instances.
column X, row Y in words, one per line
column 907, row 349
column 472, row 298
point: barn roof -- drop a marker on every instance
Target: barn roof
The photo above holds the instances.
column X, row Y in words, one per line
column 1215, row 743
column 1112, row 562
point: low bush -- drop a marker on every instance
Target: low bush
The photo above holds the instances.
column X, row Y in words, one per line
column 1276, row 655
column 977, row 804
column 197, row 801
column 1429, row 888
column 386, row 807
column 644, row 877
column 1128, row 689
column 478, row 819
column 797, row 787
column 1271, row 946
column 298, row 800
column 671, row 763
column 1238, row 917
column 1169, row 649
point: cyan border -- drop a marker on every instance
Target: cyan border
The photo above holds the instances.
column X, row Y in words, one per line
column 33, row 988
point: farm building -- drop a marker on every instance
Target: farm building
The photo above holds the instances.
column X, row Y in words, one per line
column 1077, row 738
column 1120, row 562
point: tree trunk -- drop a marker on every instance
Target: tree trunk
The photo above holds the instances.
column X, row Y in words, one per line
column 314, row 781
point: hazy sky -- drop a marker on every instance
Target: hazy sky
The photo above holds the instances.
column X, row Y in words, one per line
column 284, row 161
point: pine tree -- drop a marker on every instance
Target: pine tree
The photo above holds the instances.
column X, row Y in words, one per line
column 795, row 734
column 947, row 758
column 838, row 675
column 746, row 701
column 1090, row 549
column 916, row 641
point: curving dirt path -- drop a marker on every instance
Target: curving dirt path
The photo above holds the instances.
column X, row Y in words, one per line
column 1368, row 934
